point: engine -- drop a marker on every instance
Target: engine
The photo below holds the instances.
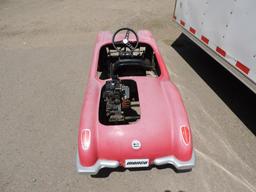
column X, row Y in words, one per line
column 117, row 99
column 119, row 102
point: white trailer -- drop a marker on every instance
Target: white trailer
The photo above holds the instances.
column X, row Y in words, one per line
column 226, row 30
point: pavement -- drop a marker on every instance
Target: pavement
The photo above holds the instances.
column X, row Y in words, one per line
column 45, row 52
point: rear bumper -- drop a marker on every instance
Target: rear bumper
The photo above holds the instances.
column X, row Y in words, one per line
column 93, row 170
column 179, row 165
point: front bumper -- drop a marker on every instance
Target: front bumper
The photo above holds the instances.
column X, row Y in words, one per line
column 93, row 170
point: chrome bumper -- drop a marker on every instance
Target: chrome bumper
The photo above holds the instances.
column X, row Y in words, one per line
column 179, row 165
column 93, row 170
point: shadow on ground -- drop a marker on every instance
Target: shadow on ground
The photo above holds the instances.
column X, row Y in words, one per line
column 240, row 99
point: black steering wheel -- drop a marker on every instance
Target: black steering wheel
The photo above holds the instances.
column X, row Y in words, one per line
column 121, row 46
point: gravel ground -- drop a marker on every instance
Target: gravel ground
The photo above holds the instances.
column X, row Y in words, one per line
column 45, row 52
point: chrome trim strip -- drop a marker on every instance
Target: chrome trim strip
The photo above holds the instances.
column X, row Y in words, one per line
column 180, row 165
column 93, row 170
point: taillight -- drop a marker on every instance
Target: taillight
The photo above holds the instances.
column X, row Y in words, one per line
column 185, row 134
column 86, row 139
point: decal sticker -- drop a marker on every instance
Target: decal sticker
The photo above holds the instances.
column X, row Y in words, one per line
column 133, row 163
column 136, row 145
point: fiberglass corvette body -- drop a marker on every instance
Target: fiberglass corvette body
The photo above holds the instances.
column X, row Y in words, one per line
column 132, row 115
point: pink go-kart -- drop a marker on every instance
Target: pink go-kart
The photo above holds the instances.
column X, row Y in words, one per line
column 132, row 115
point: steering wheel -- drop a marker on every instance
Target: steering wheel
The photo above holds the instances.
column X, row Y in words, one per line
column 126, row 42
